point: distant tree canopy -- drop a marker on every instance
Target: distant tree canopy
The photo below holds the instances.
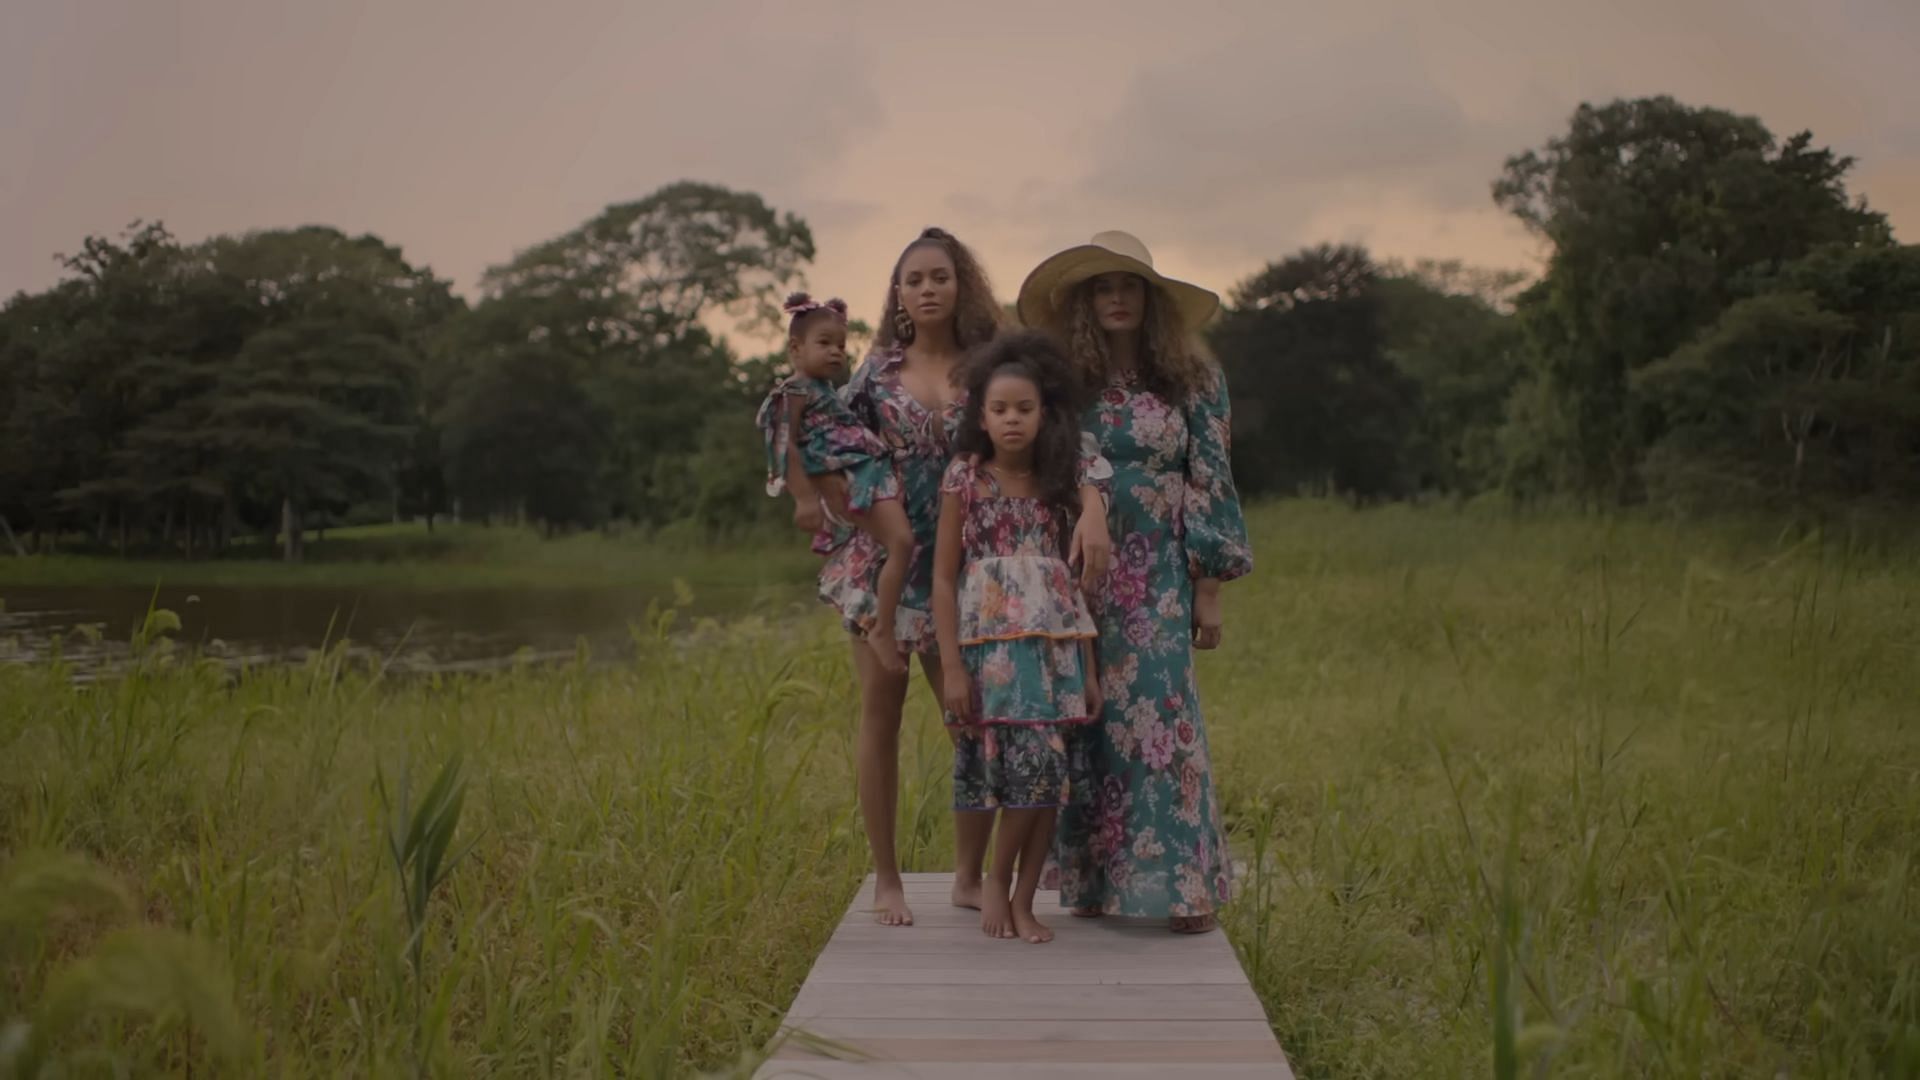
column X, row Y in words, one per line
column 175, row 396
column 1661, row 218
column 186, row 393
column 603, row 328
column 1719, row 324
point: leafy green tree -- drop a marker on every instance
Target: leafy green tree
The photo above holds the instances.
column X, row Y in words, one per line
column 648, row 271
column 1660, row 216
column 320, row 415
column 272, row 380
column 525, row 438
column 1802, row 397
column 116, row 317
column 1317, row 403
column 45, row 409
column 173, row 461
column 628, row 300
column 178, row 390
column 1442, row 330
column 318, row 405
column 729, row 475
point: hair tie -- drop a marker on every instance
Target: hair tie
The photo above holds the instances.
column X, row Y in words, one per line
column 799, row 305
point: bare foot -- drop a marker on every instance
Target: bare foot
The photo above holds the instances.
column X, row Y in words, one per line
column 1192, row 924
column 890, row 905
column 966, row 894
column 1035, row 931
column 996, row 914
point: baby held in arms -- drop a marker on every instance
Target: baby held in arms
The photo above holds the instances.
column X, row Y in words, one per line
column 810, row 432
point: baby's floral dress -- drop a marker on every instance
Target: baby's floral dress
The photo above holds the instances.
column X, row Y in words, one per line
column 831, row 440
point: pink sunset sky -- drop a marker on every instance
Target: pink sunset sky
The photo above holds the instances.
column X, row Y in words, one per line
column 1224, row 134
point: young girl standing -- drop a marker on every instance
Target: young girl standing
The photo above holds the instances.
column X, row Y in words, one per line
column 809, row 432
column 1016, row 638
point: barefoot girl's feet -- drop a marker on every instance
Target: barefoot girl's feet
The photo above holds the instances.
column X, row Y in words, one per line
column 1192, row 924
column 996, row 914
column 890, row 905
column 1033, row 930
column 966, row 893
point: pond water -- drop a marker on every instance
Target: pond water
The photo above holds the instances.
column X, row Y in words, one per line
column 409, row 629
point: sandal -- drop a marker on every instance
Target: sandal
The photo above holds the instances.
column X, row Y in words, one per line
column 1193, row 924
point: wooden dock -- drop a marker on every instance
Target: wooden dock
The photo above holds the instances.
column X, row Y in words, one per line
column 940, row 1001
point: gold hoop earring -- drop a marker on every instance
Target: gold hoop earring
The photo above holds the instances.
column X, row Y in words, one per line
column 902, row 323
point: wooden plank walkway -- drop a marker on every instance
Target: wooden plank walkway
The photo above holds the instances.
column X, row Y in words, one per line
column 940, row 1001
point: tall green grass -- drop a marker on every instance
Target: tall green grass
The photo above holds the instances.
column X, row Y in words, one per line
column 659, row 849
column 1510, row 796
column 1575, row 797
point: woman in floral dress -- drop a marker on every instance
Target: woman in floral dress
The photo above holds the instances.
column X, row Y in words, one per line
column 938, row 306
column 1142, row 836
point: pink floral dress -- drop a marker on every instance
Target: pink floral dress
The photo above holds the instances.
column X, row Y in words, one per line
column 921, row 443
column 1143, row 835
column 1022, row 623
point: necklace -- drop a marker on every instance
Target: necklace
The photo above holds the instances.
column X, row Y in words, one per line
column 1009, row 472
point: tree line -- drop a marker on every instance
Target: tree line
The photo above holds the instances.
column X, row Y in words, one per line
column 182, row 397
column 1719, row 324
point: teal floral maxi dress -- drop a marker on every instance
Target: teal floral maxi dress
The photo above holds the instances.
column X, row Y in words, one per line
column 1141, row 835
column 1022, row 622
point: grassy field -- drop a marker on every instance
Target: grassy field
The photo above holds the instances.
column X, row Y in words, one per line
column 1512, row 796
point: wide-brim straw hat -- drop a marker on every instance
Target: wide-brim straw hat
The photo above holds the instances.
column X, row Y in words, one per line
column 1048, row 287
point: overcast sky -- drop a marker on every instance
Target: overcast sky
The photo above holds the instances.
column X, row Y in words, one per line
column 1225, row 135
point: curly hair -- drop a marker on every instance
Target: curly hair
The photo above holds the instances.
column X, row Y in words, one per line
column 976, row 316
column 1173, row 362
column 802, row 309
column 1056, row 449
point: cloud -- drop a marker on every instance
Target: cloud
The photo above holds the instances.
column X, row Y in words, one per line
column 464, row 134
column 1387, row 124
column 1243, row 120
column 1227, row 135
column 831, row 215
column 1255, row 149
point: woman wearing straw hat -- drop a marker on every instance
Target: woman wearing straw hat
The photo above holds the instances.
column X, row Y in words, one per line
column 1143, row 837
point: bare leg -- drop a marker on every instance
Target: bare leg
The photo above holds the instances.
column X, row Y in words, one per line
column 882, row 696
column 971, row 832
column 996, row 900
column 1033, row 857
column 887, row 522
column 972, row 829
